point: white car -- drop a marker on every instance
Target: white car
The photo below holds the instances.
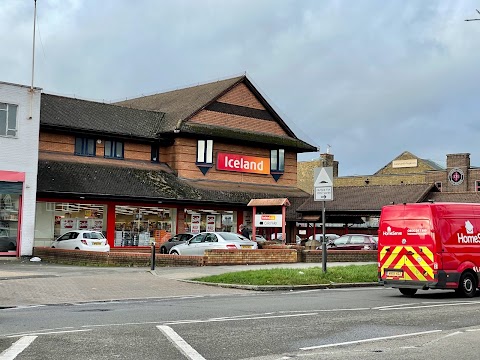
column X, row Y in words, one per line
column 319, row 237
column 82, row 240
column 213, row 240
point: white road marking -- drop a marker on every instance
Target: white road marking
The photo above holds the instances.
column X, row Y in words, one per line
column 181, row 344
column 473, row 330
column 422, row 306
column 369, row 340
column 17, row 347
column 49, row 333
column 236, row 319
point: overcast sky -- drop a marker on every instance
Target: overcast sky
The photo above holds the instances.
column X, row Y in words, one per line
column 370, row 78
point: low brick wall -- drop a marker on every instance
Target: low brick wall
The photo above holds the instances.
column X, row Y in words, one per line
column 315, row 256
column 113, row 258
column 273, row 255
column 241, row 257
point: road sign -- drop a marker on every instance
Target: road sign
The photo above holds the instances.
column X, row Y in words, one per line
column 323, row 184
column 323, row 176
column 323, row 193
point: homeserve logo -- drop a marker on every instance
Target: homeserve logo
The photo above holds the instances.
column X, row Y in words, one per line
column 391, row 232
column 469, row 238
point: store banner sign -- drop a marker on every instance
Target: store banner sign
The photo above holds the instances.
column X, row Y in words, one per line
column 243, row 163
column 210, row 222
column 268, row 220
column 195, row 223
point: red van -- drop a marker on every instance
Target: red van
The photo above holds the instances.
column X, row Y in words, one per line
column 430, row 246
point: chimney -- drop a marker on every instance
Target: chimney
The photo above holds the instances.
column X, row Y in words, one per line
column 457, row 172
column 328, row 160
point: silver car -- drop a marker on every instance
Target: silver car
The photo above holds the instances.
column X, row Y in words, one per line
column 213, row 240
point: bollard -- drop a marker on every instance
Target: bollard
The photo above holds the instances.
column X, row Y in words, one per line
column 153, row 256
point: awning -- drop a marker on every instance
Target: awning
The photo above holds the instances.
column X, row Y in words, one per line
column 269, row 202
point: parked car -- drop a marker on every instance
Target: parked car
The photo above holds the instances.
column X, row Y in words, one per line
column 279, row 236
column 175, row 240
column 82, row 240
column 213, row 240
column 353, row 242
column 8, row 243
column 328, row 237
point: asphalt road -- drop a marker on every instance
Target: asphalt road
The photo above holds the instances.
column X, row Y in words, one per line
column 359, row 323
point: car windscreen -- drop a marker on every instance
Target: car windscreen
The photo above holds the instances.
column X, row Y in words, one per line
column 93, row 235
column 232, row 237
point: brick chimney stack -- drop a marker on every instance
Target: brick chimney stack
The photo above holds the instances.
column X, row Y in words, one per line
column 457, row 162
column 328, row 160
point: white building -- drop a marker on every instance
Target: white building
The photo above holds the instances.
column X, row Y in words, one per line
column 19, row 129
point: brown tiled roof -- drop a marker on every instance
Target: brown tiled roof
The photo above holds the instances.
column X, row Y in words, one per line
column 368, row 198
column 63, row 113
column 182, row 103
column 461, row 197
column 269, row 202
column 90, row 180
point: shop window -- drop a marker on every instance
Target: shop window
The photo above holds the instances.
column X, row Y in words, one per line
column 155, row 153
column 114, row 149
column 8, row 120
column 438, row 184
column 204, row 155
column 477, row 185
column 85, row 146
column 277, row 163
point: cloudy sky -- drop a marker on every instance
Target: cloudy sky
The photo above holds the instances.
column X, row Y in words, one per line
column 369, row 78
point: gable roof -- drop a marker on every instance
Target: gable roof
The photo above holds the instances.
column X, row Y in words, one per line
column 181, row 105
column 428, row 164
column 63, row 113
column 369, row 198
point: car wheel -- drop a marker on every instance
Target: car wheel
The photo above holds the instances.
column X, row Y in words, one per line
column 174, row 252
column 467, row 286
column 163, row 250
column 77, row 248
column 53, row 247
column 408, row 292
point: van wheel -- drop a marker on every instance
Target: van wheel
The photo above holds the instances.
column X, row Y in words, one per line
column 174, row 252
column 408, row 292
column 163, row 250
column 468, row 285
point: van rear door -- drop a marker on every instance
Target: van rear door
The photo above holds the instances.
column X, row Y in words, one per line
column 406, row 251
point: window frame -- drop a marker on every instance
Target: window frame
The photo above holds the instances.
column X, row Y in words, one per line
column 204, row 152
column 277, row 157
column 8, row 119
column 84, row 146
column 477, row 185
column 155, row 153
column 113, row 149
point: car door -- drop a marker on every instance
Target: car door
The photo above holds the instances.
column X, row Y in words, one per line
column 211, row 242
column 357, row 242
column 194, row 246
column 69, row 242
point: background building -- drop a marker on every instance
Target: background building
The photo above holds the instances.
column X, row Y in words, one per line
column 19, row 126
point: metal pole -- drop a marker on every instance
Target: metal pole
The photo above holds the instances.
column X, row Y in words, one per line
column 324, row 241
column 153, row 257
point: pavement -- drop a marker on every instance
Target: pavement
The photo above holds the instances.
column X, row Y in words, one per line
column 27, row 283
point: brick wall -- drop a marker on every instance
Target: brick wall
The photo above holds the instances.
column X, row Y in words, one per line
column 314, row 256
column 238, row 122
column 185, row 151
column 64, row 143
column 239, row 257
column 242, row 96
column 277, row 255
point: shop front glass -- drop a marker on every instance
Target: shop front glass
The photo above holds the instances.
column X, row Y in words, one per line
column 9, row 206
column 53, row 219
column 142, row 225
column 210, row 220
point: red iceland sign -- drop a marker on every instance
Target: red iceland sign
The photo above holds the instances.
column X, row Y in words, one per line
column 243, row 163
